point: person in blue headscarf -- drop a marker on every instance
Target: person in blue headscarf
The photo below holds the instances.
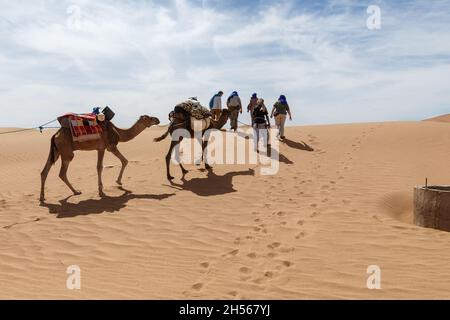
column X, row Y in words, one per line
column 251, row 106
column 280, row 111
column 234, row 106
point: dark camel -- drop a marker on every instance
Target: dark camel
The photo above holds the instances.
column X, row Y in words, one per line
column 63, row 145
column 181, row 120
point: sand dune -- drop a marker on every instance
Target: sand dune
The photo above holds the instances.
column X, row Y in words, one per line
column 308, row 232
column 442, row 118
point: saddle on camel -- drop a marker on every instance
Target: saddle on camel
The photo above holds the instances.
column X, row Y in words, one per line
column 88, row 126
column 196, row 116
column 89, row 132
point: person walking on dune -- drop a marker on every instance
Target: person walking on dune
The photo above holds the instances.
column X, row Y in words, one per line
column 261, row 123
column 251, row 105
column 234, row 106
column 279, row 111
column 215, row 104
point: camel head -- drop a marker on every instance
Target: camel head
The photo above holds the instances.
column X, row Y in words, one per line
column 148, row 121
column 222, row 120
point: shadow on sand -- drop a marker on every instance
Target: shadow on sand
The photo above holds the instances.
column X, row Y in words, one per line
column 292, row 144
column 212, row 184
column 96, row 206
column 297, row 145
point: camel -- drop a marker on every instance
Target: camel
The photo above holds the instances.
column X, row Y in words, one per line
column 63, row 145
column 181, row 120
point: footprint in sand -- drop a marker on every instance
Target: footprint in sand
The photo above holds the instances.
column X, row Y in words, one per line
column 281, row 213
column 233, row 293
column 198, row 286
column 315, row 214
column 324, row 187
column 274, row 245
column 346, row 201
column 313, row 205
column 286, row 264
column 245, row 270
column 204, row 264
column 300, row 222
column 272, row 255
column 259, row 280
column 300, row 235
column 252, row 255
column 325, row 200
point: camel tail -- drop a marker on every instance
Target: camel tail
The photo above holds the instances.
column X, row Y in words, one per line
column 53, row 155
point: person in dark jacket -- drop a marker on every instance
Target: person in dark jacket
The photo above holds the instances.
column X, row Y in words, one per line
column 261, row 122
column 252, row 104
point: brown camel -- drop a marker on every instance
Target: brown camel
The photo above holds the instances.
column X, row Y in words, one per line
column 63, row 145
column 181, row 120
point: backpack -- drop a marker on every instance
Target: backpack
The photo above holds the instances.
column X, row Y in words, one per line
column 211, row 102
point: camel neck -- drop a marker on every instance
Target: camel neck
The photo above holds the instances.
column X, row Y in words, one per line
column 126, row 135
column 219, row 123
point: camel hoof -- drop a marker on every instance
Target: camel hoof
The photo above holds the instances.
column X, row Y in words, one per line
column 102, row 194
column 77, row 193
column 185, row 172
column 119, row 182
column 207, row 166
column 170, row 178
column 41, row 199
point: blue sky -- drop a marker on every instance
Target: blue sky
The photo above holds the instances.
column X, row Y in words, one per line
column 143, row 57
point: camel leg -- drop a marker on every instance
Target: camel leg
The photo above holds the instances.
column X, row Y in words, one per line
column 65, row 162
column 52, row 157
column 204, row 146
column 124, row 161
column 168, row 156
column 44, row 175
column 101, row 156
column 183, row 170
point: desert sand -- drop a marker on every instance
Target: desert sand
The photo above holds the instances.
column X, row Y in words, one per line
column 309, row 232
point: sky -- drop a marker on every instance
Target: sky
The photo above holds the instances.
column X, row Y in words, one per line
column 143, row 57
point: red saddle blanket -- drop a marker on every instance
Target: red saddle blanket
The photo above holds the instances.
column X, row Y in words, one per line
column 83, row 127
